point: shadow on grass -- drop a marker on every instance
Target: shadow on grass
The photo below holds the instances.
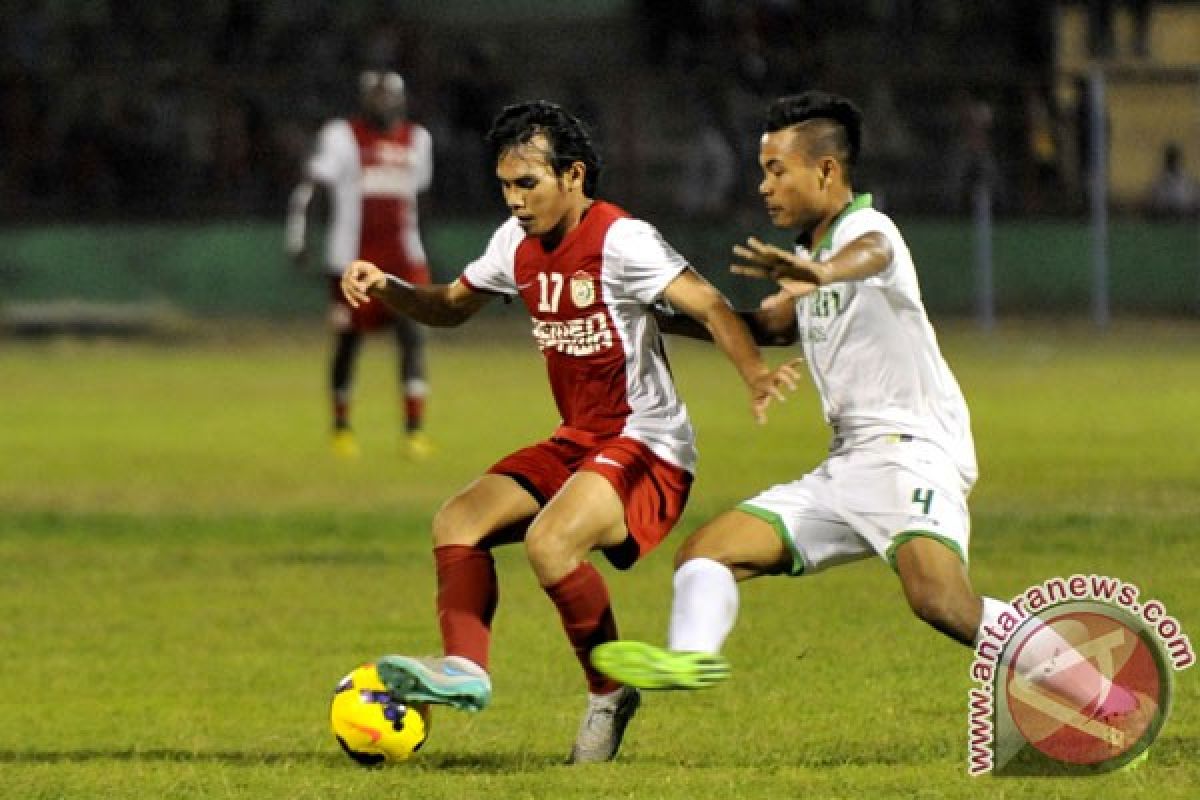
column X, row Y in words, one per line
column 1173, row 751
column 506, row 763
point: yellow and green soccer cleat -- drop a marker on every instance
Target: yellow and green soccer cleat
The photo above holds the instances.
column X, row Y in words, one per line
column 344, row 445
column 417, row 446
column 648, row 667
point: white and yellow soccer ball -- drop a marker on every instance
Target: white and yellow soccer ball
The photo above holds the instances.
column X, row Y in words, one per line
column 373, row 727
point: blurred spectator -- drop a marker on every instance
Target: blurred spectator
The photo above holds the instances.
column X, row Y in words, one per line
column 1043, row 178
column 891, row 136
column 241, row 144
column 88, row 176
column 972, row 161
column 473, row 96
column 27, row 32
column 239, row 38
column 673, row 31
column 710, row 162
column 26, row 156
column 1173, row 193
column 199, row 108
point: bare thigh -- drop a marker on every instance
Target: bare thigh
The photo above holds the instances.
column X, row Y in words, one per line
column 492, row 510
column 586, row 514
column 746, row 544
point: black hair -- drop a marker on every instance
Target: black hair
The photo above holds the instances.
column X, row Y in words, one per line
column 568, row 138
column 841, row 133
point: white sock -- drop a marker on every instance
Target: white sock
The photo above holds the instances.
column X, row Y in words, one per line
column 1046, row 656
column 704, row 608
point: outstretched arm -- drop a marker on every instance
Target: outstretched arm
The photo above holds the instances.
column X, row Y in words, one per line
column 858, row 260
column 771, row 325
column 697, row 298
column 440, row 305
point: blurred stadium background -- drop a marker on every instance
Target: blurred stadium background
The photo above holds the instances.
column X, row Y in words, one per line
column 147, row 151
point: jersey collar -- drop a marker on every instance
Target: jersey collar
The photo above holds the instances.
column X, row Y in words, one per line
column 859, row 201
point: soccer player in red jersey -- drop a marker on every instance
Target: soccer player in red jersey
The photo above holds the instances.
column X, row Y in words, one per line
column 373, row 165
column 615, row 474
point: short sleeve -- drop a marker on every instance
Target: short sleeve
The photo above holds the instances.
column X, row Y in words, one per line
column 335, row 151
column 871, row 221
column 646, row 261
column 494, row 270
column 422, row 158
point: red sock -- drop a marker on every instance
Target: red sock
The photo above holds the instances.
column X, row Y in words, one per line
column 341, row 411
column 466, row 600
column 414, row 411
column 587, row 617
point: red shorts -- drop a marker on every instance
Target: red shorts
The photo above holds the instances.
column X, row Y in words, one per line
column 372, row 315
column 652, row 490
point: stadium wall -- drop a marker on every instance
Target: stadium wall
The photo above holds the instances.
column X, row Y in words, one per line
column 238, row 269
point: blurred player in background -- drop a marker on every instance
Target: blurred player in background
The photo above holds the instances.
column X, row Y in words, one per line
column 615, row 474
column 902, row 459
column 373, row 165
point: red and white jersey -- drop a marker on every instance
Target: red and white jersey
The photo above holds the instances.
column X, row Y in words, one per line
column 374, row 177
column 591, row 301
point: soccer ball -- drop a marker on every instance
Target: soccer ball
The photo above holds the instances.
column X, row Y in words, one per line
column 372, row 726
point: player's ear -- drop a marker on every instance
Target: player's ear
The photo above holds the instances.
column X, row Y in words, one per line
column 575, row 175
column 829, row 168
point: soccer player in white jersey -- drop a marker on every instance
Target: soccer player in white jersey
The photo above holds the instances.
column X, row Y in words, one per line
column 901, row 462
column 373, row 164
column 615, row 474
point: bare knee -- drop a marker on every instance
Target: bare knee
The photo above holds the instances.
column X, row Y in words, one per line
column 541, row 545
column 455, row 524
column 551, row 555
column 696, row 547
column 745, row 544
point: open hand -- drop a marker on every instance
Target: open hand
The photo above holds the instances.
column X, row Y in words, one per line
column 770, row 386
column 359, row 280
column 798, row 275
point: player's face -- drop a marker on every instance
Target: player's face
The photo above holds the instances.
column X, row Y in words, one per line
column 545, row 203
column 795, row 188
column 382, row 94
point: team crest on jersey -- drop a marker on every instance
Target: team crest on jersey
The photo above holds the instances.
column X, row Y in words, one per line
column 583, row 290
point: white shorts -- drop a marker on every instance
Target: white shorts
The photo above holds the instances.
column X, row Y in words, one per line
column 869, row 496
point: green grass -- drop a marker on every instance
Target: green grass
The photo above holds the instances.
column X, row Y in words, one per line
column 185, row 573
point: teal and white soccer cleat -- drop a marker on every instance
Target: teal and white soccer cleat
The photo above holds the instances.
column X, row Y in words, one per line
column 648, row 667
column 449, row 681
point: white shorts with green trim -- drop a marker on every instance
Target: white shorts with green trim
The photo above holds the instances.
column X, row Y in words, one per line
column 868, row 497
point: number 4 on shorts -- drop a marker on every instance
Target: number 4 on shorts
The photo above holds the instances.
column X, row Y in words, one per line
column 923, row 498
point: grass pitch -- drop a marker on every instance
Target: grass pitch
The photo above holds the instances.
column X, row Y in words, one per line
column 185, row 573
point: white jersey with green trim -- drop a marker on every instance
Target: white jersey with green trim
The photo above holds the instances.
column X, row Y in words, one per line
column 872, row 352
